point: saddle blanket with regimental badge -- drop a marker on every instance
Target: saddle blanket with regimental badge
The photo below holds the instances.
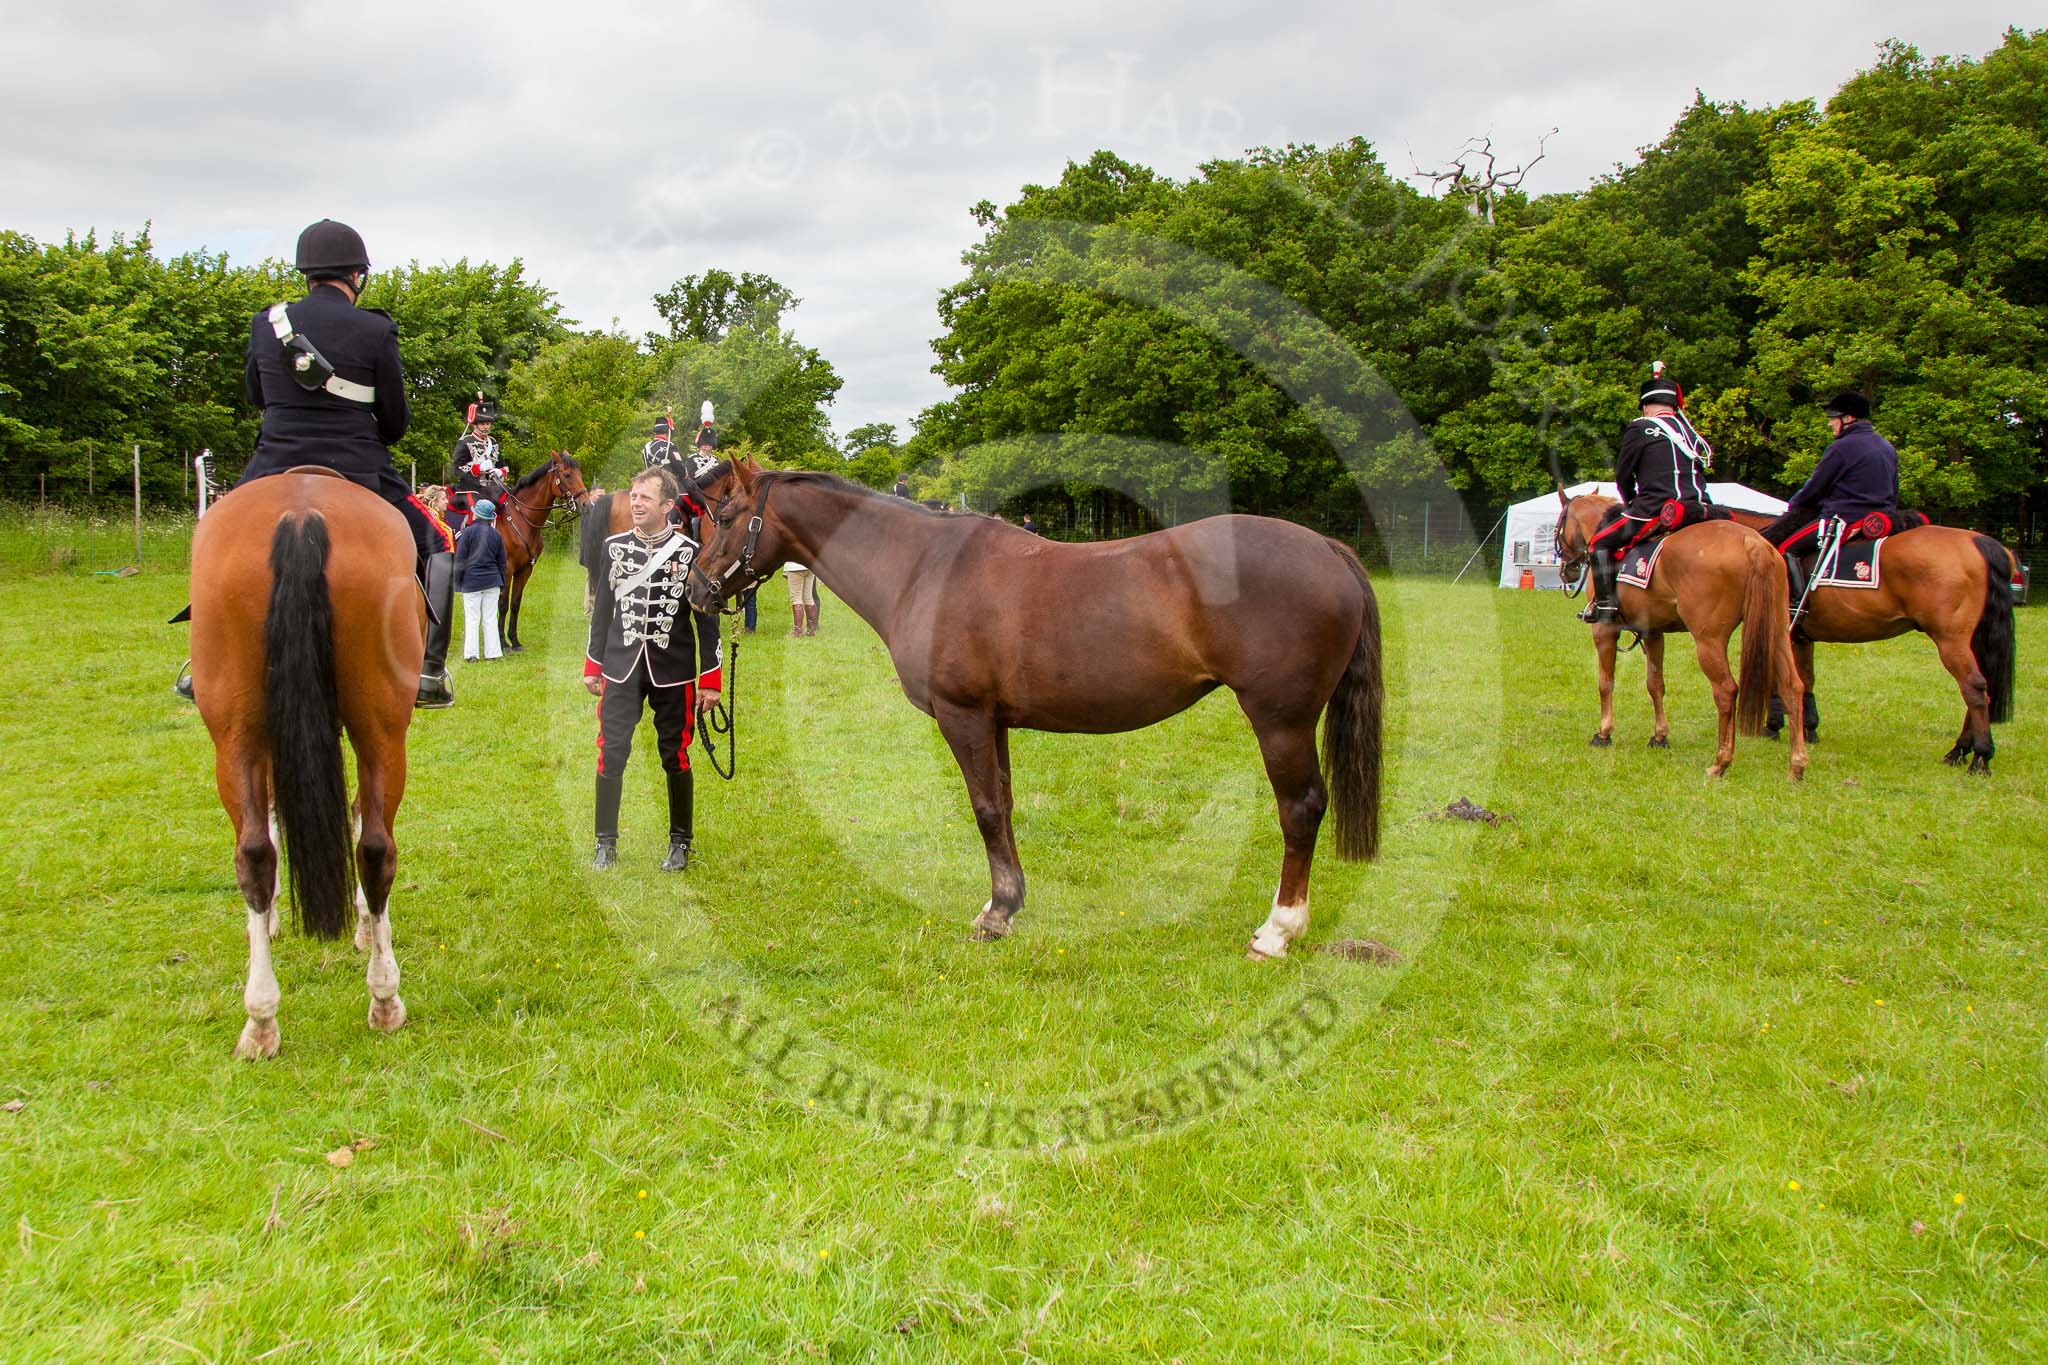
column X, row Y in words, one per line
column 1640, row 561
column 1856, row 566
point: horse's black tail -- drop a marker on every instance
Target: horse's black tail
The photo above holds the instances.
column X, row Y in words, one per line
column 1351, row 731
column 302, row 714
column 591, row 531
column 1997, row 657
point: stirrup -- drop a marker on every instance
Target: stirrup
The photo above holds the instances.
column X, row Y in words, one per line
column 183, row 686
column 1601, row 613
column 434, row 693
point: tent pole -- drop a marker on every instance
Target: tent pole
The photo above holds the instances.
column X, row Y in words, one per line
column 1482, row 544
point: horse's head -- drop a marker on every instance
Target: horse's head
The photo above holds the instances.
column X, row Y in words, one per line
column 742, row 541
column 1577, row 519
column 567, row 476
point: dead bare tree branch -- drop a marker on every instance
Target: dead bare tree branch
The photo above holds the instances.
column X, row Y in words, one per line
column 1476, row 176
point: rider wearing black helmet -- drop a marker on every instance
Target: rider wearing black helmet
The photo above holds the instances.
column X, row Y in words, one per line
column 327, row 376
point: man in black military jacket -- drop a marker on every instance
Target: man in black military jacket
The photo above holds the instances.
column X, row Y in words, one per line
column 327, row 376
column 646, row 645
column 1663, row 460
column 478, row 463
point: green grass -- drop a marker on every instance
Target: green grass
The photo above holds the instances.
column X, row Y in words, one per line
column 1630, row 1019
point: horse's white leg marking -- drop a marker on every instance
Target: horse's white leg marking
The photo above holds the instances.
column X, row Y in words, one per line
column 260, row 996
column 1282, row 926
column 277, row 874
column 363, row 933
column 387, row 1011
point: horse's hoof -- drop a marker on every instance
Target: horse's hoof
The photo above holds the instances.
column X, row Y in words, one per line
column 1980, row 767
column 1714, row 771
column 1813, row 735
column 1954, row 757
column 514, row 647
column 258, row 1041
column 1600, row 741
column 1660, row 741
column 1252, row 953
column 1774, row 735
column 387, row 1016
column 985, row 934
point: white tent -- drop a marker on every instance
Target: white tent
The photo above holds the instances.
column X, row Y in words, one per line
column 1532, row 524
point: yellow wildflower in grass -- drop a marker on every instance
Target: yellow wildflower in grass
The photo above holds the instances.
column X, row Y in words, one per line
column 638, row 1235
column 641, row 1195
column 1959, row 1200
column 1792, row 1185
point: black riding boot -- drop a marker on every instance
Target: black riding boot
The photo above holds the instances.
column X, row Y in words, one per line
column 682, row 801
column 1604, row 606
column 440, row 583
column 610, row 790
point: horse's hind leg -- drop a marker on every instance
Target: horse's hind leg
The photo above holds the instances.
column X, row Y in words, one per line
column 380, row 785
column 1653, row 679
column 1290, row 754
column 244, row 792
column 982, row 749
column 1975, row 741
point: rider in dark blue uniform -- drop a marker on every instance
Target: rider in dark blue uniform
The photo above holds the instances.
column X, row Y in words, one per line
column 327, row 376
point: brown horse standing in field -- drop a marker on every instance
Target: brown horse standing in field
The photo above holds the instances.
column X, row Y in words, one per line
column 307, row 622
column 1709, row 578
column 522, row 521
column 992, row 629
column 1952, row 584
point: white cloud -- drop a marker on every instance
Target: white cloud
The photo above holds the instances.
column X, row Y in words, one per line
column 616, row 146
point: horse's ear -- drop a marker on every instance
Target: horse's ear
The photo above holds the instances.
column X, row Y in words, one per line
column 747, row 470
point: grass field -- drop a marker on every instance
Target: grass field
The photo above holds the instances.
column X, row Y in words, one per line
column 1673, row 1070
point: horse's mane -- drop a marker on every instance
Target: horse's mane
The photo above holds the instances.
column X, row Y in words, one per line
column 831, row 480
column 542, row 470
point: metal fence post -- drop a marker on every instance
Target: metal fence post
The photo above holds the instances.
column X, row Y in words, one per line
column 138, row 506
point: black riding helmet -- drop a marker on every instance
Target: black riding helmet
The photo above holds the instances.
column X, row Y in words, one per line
column 331, row 248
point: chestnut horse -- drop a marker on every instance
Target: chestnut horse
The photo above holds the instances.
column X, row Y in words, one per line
column 1952, row 584
column 1710, row 578
column 307, row 622
column 992, row 629
column 522, row 520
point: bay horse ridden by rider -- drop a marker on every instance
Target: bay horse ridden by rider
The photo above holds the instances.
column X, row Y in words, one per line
column 1704, row 579
column 1952, row 584
column 523, row 522
column 307, row 625
column 991, row 629
column 1695, row 572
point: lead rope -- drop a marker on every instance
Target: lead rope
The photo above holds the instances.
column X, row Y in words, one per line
column 719, row 719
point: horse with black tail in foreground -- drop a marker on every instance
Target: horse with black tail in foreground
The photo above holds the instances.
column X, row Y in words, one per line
column 307, row 622
column 992, row 629
column 1956, row 587
column 1708, row 579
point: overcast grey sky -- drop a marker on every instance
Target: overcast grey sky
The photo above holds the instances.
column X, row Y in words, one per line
column 617, row 147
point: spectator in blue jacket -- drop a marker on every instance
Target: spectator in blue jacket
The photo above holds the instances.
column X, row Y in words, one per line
column 480, row 574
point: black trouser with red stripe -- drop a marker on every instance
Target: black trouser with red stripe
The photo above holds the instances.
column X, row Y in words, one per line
column 675, row 723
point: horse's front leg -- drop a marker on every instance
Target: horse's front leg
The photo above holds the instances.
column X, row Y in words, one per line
column 1606, row 640
column 1653, row 679
column 1713, row 657
column 517, row 592
column 982, row 749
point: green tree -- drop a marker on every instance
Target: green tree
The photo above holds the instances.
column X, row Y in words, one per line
column 581, row 394
column 708, row 307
